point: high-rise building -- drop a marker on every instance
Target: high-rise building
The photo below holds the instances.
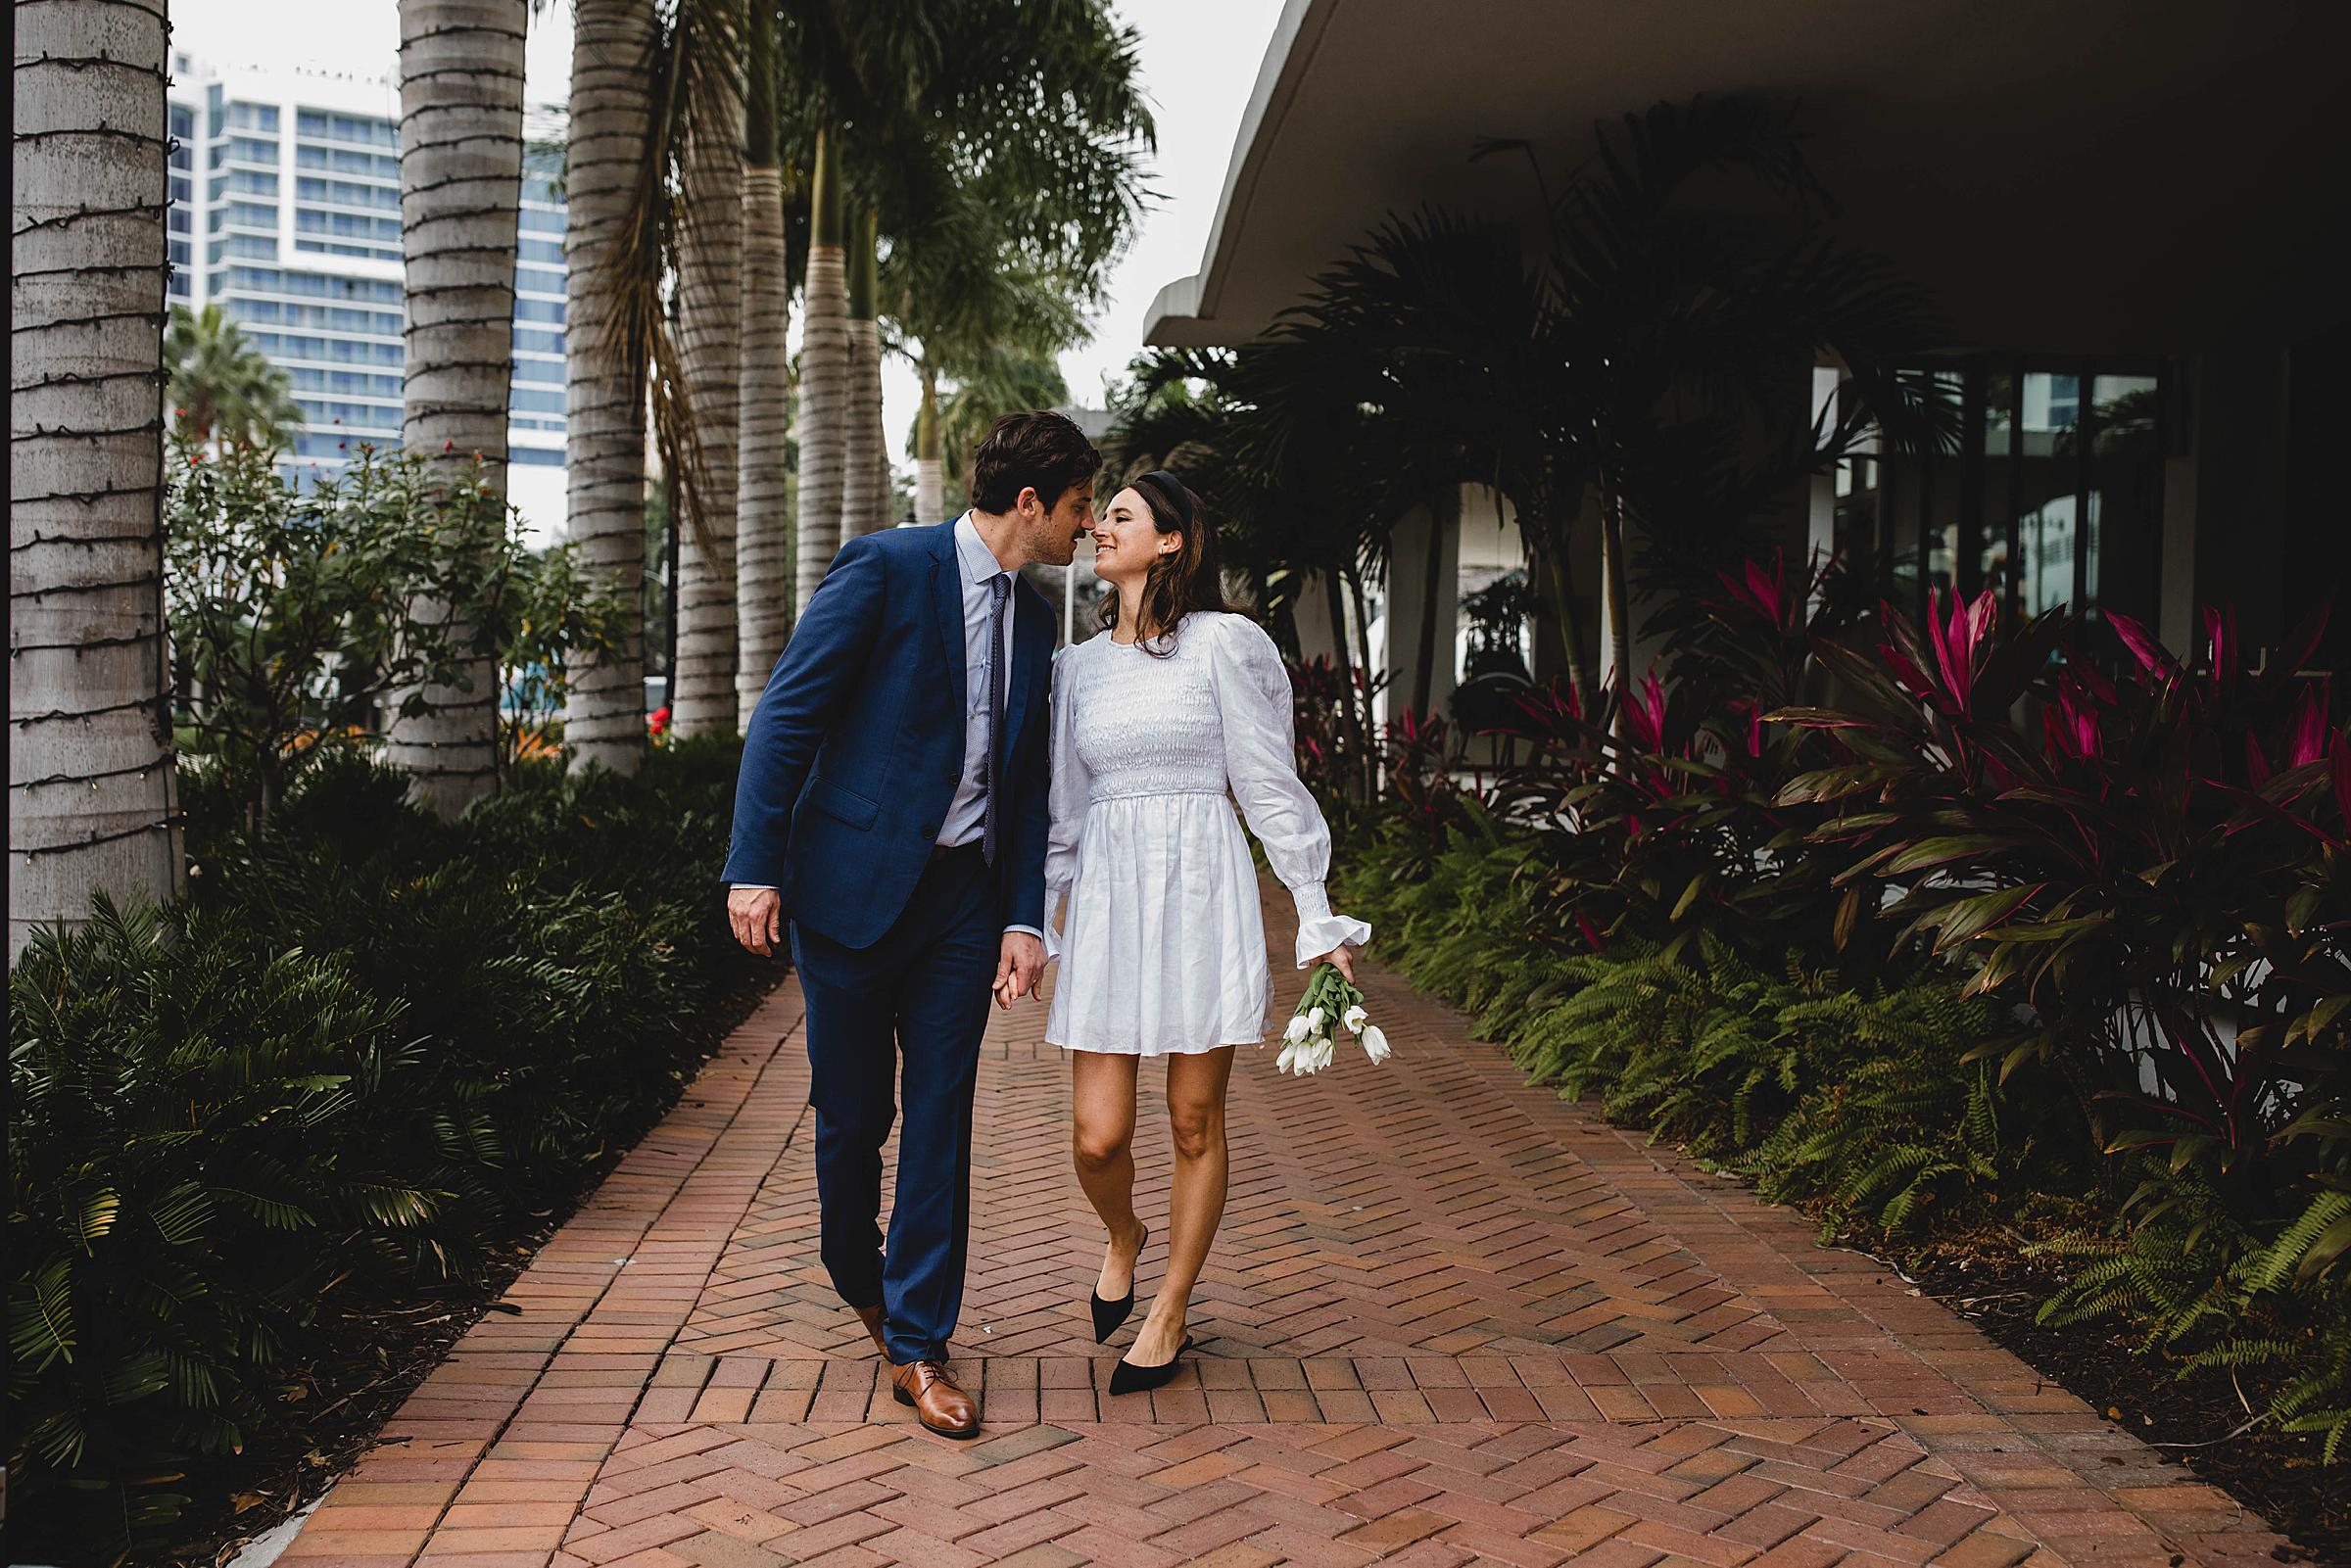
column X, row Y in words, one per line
column 285, row 212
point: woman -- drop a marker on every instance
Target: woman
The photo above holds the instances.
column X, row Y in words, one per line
column 1164, row 953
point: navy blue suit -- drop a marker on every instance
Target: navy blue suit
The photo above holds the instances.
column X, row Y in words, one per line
column 849, row 766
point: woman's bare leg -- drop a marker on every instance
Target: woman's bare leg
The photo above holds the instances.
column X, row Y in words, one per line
column 1196, row 1087
column 1102, row 1147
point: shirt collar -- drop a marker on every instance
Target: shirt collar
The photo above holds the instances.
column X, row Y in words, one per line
column 978, row 561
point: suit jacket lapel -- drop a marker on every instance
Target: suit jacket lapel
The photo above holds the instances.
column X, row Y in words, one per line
column 1029, row 620
column 947, row 588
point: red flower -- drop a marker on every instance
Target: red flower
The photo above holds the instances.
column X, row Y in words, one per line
column 656, row 723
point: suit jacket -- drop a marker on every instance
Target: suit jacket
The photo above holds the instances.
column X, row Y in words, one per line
column 856, row 746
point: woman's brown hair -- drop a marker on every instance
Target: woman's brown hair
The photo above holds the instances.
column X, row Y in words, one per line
column 1183, row 580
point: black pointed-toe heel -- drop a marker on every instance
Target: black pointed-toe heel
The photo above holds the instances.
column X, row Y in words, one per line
column 1129, row 1378
column 1108, row 1315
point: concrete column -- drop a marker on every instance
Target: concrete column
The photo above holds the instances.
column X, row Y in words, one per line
column 1424, row 586
column 1317, row 638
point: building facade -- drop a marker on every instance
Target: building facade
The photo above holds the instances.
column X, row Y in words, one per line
column 285, row 212
column 2130, row 221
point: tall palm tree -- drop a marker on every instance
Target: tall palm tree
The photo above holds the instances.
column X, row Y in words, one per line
column 221, row 386
column 971, row 172
column 92, row 783
column 924, row 447
column 460, row 193
column 709, row 281
column 865, row 459
column 764, row 553
column 609, row 158
column 824, row 372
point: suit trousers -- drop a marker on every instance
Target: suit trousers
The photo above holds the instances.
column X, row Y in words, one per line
column 919, row 996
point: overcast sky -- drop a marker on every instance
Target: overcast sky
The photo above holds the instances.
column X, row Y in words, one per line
column 1200, row 59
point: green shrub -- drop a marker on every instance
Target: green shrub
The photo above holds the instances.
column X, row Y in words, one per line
column 370, row 1050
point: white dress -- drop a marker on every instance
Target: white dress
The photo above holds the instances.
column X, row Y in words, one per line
column 1164, row 948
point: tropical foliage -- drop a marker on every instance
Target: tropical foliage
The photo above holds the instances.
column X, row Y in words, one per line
column 299, row 616
column 372, row 1050
column 222, row 386
column 1830, row 911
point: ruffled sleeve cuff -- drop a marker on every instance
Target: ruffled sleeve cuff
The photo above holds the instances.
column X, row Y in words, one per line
column 1053, row 932
column 1319, row 930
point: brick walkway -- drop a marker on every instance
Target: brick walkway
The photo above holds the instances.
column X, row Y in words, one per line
column 1448, row 1319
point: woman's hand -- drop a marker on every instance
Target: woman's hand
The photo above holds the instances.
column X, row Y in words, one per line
column 1340, row 959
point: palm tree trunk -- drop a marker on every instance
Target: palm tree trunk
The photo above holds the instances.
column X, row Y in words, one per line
column 763, row 557
column 1362, row 648
column 824, row 375
column 864, row 494
column 1432, row 587
column 709, row 327
column 603, row 443
column 763, row 537
column 1547, row 566
column 93, row 790
column 930, row 470
column 1613, row 584
column 460, row 191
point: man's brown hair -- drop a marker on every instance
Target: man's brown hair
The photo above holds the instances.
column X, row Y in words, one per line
column 1043, row 451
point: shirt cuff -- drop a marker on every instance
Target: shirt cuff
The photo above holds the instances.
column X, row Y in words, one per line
column 756, row 887
column 1027, row 929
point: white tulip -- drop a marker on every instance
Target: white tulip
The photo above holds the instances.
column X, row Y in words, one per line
column 1353, row 1018
column 1314, row 1020
column 1299, row 1028
column 1318, row 1053
column 1288, row 1057
column 1376, row 1044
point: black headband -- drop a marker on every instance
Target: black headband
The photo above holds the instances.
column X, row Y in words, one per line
column 1171, row 490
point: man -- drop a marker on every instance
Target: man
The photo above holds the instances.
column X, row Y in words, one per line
column 892, row 807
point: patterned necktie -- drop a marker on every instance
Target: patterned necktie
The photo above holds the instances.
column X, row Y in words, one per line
column 999, row 590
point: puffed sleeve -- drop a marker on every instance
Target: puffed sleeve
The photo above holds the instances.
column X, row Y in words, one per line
column 1261, row 762
column 1067, row 801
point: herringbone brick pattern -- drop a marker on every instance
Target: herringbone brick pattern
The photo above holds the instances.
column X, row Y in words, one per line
column 1448, row 1319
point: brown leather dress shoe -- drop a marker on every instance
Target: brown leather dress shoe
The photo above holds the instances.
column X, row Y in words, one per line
column 937, row 1402
column 875, row 1325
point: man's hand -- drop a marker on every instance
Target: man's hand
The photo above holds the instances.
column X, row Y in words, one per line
column 758, row 916
column 1021, row 961
column 1340, row 959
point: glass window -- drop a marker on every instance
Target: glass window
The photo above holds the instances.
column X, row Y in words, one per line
column 530, row 400
column 539, row 311
column 531, row 339
column 537, row 280
column 547, row 371
column 253, row 116
column 540, row 251
column 535, row 457
column 2054, row 499
column 538, row 223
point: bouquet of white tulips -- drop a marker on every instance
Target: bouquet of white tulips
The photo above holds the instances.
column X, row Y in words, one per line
column 1332, row 1003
